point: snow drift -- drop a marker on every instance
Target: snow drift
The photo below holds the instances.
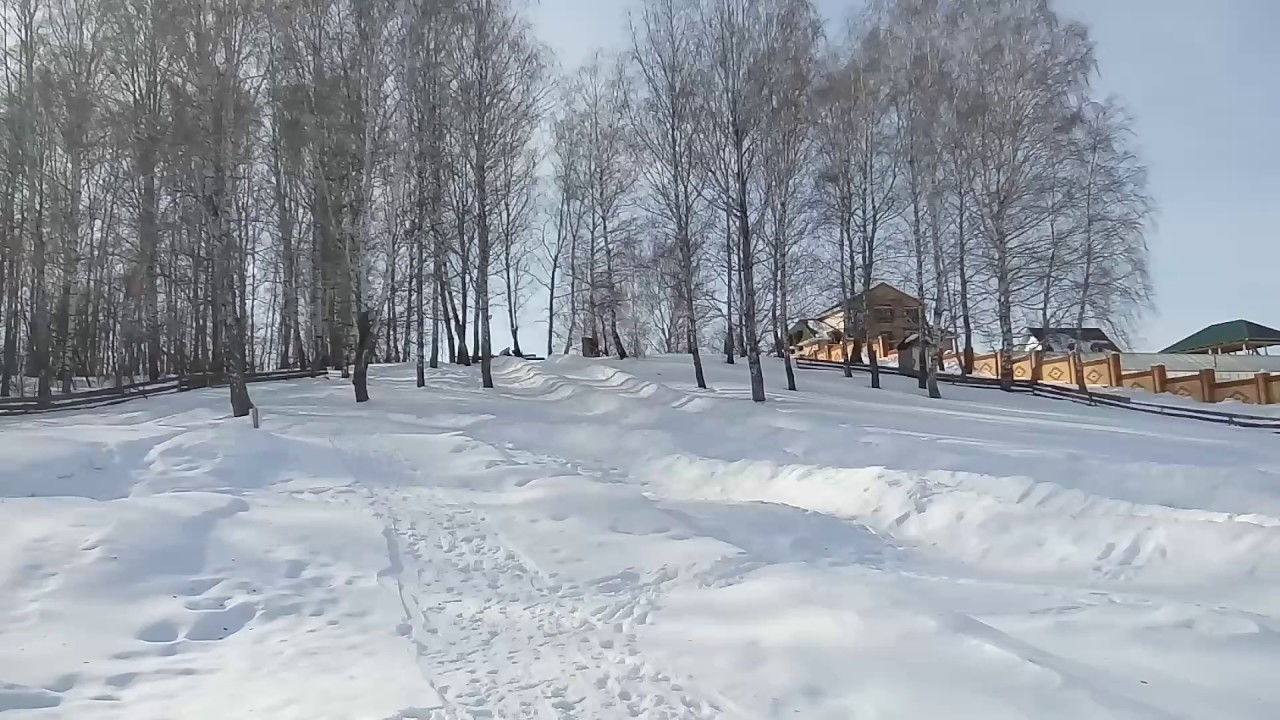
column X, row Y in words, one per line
column 601, row 540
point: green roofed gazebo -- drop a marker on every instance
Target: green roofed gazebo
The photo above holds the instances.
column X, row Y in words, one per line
column 1227, row 337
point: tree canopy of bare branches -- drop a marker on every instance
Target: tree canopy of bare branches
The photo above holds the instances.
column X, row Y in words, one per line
column 208, row 188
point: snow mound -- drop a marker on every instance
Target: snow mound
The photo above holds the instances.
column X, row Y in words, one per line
column 600, row 539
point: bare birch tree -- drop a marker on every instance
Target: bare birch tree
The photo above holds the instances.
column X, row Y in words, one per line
column 665, row 120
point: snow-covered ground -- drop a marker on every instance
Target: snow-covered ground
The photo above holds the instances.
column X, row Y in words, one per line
column 597, row 540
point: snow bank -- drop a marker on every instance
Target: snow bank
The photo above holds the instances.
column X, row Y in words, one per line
column 597, row 539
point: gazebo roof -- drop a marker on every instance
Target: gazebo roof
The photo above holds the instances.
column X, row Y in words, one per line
column 1232, row 334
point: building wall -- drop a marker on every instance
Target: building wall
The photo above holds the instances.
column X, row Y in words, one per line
column 893, row 322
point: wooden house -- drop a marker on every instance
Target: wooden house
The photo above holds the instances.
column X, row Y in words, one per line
column 884, row 312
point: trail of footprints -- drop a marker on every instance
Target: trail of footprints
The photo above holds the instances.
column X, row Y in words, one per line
column 500, row 641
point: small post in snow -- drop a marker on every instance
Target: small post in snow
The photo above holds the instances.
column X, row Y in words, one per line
column 253, row 412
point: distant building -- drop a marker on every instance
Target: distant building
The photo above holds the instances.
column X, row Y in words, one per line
column 1235, row 336
column 883, row 312
column 1061, row 340
column 910, row 346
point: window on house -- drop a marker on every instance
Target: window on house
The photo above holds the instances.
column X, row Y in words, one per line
column 913, row 317
column 883, row 314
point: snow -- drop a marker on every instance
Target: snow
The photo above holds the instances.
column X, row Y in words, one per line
column 599, row 540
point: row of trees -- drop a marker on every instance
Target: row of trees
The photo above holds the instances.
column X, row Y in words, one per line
column 218, row 186
column 769, row 164
column 215, row 186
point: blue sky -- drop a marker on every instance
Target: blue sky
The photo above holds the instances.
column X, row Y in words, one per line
column 1202, row 80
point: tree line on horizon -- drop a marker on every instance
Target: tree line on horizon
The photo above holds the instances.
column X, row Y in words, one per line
column 225, row 186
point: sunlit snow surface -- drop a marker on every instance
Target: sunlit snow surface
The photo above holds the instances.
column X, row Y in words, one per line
column 600, row 540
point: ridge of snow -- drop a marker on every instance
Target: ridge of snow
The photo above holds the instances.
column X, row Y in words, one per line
column 599, row 539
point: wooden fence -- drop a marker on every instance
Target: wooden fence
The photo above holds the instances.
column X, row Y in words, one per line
column 1107, row 371
column 1114, row 370
column 103, row 397
column 1070, row 394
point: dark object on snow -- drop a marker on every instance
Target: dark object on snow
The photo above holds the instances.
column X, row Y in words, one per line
column 1089, row 340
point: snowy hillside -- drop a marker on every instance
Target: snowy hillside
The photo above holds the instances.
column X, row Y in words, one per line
column 596, row 540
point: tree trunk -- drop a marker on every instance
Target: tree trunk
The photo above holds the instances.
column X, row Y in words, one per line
column 70, row 261
column 747, row 280
column 476, row 314
column 966, row 319
column 419, row 307
column 1004, row 314
column 483, row 248
column 513, row 319
column 319, row 358
column 437, row 285
column 38, row 334
column 786, row 344
column 4, row 272
column 231, row 336
column 848, row 275
column 872, row 343
column 11, row 284
column 573, row 288
column 690, row 310
column 407, row 348
column 288, row 264
column 729, row 319
column 364, row 344
column 551, row 307
column 613, row 333
column 939, row 283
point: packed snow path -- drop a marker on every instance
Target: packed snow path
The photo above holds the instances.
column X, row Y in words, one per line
column 600, row 540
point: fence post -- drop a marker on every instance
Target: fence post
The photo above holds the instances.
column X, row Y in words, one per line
column 1208, row 383
column 1037, row 365
column 1159, row 378
column 1114, row 368
column 1264, row 387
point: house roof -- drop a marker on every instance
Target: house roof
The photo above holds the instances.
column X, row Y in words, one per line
column 856, row 300
column 811, row 329
column 912, row 338
column 1094, row 335
column 1232, row 333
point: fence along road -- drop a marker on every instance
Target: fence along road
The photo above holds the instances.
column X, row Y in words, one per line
column 103, row 397
column 1059, row 392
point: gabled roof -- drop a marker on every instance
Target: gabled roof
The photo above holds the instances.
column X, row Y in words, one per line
column 1091, row 334
column 810, row 329
column 1094, row 336
column 1231, row 334
column 856, row 301
column 912, row 338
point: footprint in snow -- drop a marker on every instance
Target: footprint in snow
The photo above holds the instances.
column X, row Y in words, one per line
column 196, row 587
column 293, row 569
column 222, row 624
column 162, row 631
